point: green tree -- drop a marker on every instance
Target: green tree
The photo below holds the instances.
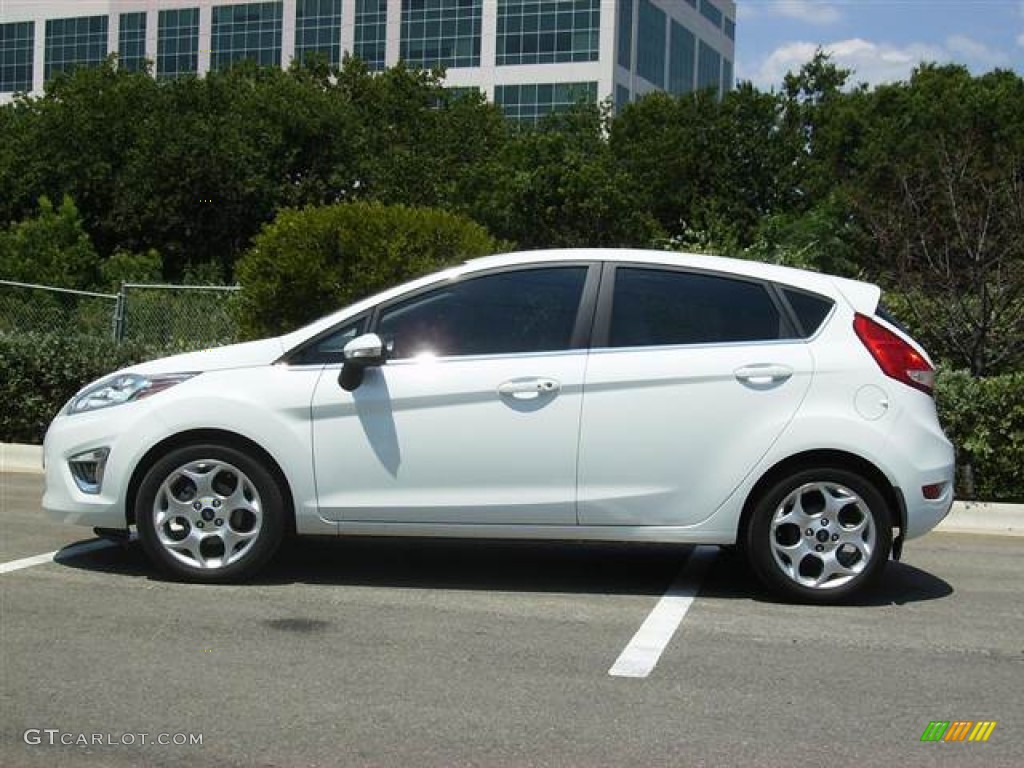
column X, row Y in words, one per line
column 710, row 165
column 419, row 141
column 560, row 186
column 311, row 261
column 125, row 267
column 73, row 140
column 51, row 248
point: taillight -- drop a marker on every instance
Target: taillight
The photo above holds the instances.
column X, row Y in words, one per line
column 897, row 359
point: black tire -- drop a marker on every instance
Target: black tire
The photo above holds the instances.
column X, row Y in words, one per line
column 210, row 513
column 825, row 517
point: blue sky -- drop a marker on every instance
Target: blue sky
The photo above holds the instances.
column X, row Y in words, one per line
column 882, row 40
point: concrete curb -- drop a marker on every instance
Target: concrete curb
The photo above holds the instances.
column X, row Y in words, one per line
column 984, row 517
column 21, row 458
column 966, row 516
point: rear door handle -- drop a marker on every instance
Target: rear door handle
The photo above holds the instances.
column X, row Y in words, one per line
column 528, row 389
column 763, row 373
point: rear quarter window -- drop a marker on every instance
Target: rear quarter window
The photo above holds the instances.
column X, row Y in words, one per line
column 810, row 310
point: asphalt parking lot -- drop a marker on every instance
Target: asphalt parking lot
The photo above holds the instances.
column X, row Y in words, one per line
column 435, row 653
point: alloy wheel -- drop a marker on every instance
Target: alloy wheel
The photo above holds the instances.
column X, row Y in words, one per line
column 207, row 514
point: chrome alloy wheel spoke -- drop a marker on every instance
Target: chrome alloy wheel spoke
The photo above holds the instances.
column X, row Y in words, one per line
column 207, row 514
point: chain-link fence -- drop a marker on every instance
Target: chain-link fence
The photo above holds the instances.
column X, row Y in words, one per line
column 180, row 316
column 36, row 308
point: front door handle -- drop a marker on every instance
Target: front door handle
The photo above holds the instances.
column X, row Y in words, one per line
column 528, row 389
column 763, row 373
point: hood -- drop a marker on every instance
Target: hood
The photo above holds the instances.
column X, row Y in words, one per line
column 251, row 353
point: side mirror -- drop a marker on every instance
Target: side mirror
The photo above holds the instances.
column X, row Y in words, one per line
column 366, row 351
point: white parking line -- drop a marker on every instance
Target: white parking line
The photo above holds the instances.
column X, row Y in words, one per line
column 641, row 655
column 56, row 555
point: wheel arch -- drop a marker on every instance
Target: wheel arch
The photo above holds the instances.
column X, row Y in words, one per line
column 221, row 437
column 828, row 458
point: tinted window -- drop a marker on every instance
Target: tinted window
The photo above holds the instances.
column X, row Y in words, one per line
column 810, row 309
column 653, row 307
column 883, row 312
column 522, row 311
column 329, row 348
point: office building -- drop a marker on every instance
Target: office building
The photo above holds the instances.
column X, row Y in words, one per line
column 529, row 56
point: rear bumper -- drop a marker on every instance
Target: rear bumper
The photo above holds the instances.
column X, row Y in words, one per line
column 922, row 514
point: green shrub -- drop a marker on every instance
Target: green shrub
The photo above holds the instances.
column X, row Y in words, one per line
column 312, row 261
column 985, row 420
column 39, row 372
column 50, row 249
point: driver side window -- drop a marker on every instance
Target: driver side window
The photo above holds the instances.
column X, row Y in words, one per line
column 521, row 311
column 329, row 348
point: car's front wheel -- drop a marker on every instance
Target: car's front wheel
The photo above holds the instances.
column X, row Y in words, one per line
column 209, row 513
column 819, row 535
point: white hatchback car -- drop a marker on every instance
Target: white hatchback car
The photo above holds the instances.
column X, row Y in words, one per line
column 577, row 394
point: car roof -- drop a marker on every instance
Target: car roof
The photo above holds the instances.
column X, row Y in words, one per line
column 799, row 278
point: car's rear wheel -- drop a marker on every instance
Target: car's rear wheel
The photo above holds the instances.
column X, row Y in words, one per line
column 209, row 513
column 819, row 535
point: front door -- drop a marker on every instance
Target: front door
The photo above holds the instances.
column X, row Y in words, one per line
column 474, row 418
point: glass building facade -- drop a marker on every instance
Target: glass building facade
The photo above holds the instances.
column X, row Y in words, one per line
column 17, row 56
column 247, row 31
column 131, row 43
column 621, row 97
column 370, row 42
column 177, row 43
column 624, row 47
column 441, row 33
column 526, row 54
column 682, row 49
column 78, row 42
column 318, row 30
column 650, row 44
column 709, row 67
column 547, row 31
column 711, row 12
column 528, row 104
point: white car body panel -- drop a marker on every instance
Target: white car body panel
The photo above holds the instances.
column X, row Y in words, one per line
column 656, row 422
column 459, row 460
column 432, row 441
column 267, row 405
column 246, row 355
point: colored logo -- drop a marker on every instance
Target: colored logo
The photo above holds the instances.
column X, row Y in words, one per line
column 958, row 730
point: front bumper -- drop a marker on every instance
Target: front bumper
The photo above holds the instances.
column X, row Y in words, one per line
column 70, row 436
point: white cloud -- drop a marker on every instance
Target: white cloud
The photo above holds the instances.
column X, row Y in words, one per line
column 812, row 12
column 1020, row 39
column 971, row 51
column 872, row 62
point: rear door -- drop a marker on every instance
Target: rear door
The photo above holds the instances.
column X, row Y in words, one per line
column 692, row 378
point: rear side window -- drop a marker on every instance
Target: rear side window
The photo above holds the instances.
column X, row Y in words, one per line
column 654, row 307
column 810, row 309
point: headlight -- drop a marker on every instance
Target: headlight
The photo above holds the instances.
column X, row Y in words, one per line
column 123, row 388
